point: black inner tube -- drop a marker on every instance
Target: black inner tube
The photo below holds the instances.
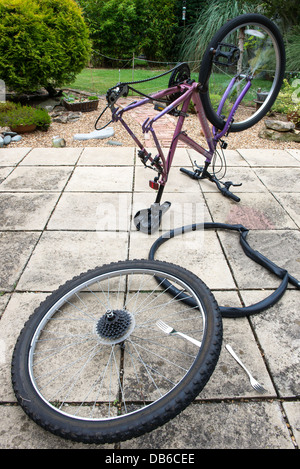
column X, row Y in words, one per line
column 230, row 312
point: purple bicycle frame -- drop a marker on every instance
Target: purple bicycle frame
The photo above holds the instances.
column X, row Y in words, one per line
column 190, row 92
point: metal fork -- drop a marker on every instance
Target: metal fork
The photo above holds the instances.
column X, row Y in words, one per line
column 255, row 384
column 169, row 330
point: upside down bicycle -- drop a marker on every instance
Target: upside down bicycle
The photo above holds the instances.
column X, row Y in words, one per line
column 91, row 363
column 246, row 54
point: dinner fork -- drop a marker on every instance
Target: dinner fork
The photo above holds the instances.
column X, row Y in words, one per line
column 169, row 330
column 255, row 384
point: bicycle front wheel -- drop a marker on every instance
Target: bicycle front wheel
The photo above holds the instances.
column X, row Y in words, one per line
column 249, row 46
column 92, row 365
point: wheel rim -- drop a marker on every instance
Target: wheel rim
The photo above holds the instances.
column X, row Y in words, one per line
column 87, row 374
column 261, row 58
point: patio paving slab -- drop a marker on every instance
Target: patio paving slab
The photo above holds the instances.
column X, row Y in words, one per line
column 12, row 156
column 177, row 182
column 221, row 425
column 268, row 157
column 254, row 211
column 107, row 156
column 295, row 154
column 36, row 179
column 245, row 176
column 200, row 252
column 101, row 179
column 291, row 204
column 181, row 158
column 278, row 332
column 26, row 211
column 277, row 181
column 278, row 246
column 61, row 255
column 5, row 171
column 51, row 156
column 233, row 158
column 15, row 250
column 292, row 410
column 17, row 431
column 20, row 307
column 101, row 211
column 64, row 211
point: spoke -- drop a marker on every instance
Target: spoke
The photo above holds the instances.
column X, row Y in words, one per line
column 147, row 368
column 90, row 380
column 99, row 384
column 74, row 379
column 170, row 316
column 119, row 381
column 163, row 305
column 159, row 344
column 60, row 337
column 154, row 299
column 162, row 358
column 64, row 368
column 60, row 349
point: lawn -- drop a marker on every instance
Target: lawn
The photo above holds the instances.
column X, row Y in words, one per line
column 99, row 80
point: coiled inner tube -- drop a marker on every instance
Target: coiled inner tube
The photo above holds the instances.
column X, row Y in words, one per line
column 230, row 312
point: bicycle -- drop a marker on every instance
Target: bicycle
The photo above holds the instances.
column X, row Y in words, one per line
column 247, row 51
column 91, row 363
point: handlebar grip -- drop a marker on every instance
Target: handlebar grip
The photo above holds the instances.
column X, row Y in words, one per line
column 229, row 194
column 192, row 174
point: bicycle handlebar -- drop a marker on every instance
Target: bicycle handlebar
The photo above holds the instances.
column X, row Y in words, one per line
column 229, row 194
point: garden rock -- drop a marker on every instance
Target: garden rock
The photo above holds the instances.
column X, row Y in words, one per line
column 270, row 134
column 63, row 117
column 7, row 137
column 279, row 126
column 7, row 140
column 16, row 138
column 104, row 133
column 12, row 134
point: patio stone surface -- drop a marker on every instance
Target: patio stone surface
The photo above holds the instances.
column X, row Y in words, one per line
column 37, row 178
column 12, row 156
column 52, row 156
column 255, row 211
column 64, row 211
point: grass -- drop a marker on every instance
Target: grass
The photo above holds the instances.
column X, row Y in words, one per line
column 98, row 81
column 101, row 79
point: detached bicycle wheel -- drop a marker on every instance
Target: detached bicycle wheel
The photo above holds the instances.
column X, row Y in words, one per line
column 247, row 46
column 92, row 365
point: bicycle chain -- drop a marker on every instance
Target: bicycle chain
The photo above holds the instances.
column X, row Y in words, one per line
column 112, row 95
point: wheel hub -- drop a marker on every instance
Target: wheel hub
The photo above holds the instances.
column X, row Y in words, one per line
column 115, row 326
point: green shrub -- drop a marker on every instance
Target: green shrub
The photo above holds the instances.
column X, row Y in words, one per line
column 7, row 106
column 288, row 100
column 43, row 43
column 25, row 115
column 121, row 28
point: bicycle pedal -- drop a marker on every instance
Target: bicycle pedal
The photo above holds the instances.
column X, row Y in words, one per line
column 226, row 54
column 148, row 220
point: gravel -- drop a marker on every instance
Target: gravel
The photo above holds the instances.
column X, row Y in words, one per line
column 246, row 139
